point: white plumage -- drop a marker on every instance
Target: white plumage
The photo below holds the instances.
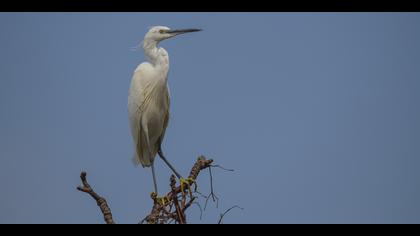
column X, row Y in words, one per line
column 148, row 99
column 148, row 108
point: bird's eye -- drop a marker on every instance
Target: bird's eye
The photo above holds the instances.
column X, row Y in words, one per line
column 161, row 31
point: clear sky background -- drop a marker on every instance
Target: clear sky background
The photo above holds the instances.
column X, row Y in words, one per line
column 318, row 113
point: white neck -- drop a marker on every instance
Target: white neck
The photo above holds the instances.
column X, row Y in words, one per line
column 150, row 50
column 158, row 57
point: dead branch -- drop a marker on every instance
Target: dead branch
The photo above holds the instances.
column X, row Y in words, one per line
column 100, row 201
column 172, row 206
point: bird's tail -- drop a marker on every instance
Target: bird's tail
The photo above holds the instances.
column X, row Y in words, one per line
column 145, row 162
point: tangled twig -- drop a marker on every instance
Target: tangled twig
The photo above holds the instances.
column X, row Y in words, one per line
column 180, row 198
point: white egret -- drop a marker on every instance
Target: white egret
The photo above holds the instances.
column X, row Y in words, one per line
column 148, row 100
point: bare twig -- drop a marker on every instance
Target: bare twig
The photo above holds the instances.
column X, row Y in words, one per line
column 223, row 168
column 199, row 207
column 211, row 194
column 103, row 205
column 143, row 220
column 190, row 202
column 224, row 213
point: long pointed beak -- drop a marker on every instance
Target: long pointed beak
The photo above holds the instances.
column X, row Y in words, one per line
column 182, row 31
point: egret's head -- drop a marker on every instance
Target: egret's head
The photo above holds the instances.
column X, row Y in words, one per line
column 159, row 33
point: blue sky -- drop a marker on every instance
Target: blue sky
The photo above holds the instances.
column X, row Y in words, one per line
column 318, row 113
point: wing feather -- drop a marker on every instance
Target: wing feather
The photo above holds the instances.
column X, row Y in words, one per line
column 149, row 114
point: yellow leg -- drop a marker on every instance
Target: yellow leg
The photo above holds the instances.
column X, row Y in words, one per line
column 187, row 181
column 163, row 201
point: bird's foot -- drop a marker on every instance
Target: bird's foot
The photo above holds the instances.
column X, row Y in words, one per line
column 186, row 182
column 163, row 201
